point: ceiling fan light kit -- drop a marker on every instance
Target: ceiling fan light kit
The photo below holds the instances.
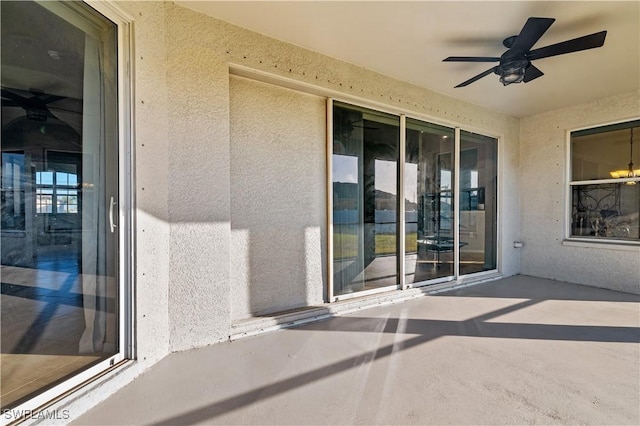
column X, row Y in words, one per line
column 515, row 64
column 512, row 72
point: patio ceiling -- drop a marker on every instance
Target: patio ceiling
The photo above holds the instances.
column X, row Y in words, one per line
column 409, row 40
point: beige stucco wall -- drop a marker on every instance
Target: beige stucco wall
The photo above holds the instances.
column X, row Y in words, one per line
column 198, row 196
column 544, row 150
column 152, row 231
column 278, row 198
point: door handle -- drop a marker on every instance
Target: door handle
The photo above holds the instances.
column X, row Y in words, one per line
column 112, row 225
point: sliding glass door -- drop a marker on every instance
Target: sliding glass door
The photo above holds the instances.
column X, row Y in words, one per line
column 478, row 206
column 446, row 225
column 365, row 199
column 60, row 195
column 428, row 189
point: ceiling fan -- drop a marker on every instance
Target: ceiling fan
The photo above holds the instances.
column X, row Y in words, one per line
column 515, row 64
column 35, row 106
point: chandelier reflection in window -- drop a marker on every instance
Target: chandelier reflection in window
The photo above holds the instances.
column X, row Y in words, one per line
column 630, row 172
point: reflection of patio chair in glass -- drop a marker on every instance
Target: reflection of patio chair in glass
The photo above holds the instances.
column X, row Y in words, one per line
column 438, row 211
column 438, row 244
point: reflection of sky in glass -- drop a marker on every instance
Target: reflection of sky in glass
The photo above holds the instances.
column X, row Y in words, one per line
column 345, row 168
column 44, row 178
column 62, row 178
column 445, row 179
column 411, row 182
column 11, row 158
column 385, row 179
column 12, row 169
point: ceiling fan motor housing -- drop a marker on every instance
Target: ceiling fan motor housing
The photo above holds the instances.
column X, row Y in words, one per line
column 513, row 65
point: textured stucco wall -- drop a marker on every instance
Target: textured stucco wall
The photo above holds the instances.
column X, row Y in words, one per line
column 543, row 193
column 198, row 195
column 150, row 128
column 278, row 198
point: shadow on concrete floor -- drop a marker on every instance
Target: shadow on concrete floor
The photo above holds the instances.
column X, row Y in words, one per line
column 558, row 353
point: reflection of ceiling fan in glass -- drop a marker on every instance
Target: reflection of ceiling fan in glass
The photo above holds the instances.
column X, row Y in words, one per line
column 515, row 64
column 36, row 106
column 344, row 126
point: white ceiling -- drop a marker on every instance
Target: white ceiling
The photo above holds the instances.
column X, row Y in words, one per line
column 408, row 40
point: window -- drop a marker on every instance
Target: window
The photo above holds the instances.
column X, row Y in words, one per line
column 365, row 199
column 56, row 192
column 605, row 183
column 12, row 186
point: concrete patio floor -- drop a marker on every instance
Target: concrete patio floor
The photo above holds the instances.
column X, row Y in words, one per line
column 520, row 350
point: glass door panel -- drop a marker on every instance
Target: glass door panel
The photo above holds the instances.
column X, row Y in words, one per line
column 59, row 176
column 478, row 203
column 365, row 202
column 428, row 189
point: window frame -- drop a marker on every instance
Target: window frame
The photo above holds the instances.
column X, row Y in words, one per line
column 54, row 187
column 570, row 239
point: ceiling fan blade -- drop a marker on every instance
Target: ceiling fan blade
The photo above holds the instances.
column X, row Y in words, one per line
column 590, row 41
column 58, row 109
column 531, row 73
column 10, row 103
column 471, row 59
column 477, row 77
column 49, row 113
column 533, row 29
column 13, row 96
column 51, row 98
